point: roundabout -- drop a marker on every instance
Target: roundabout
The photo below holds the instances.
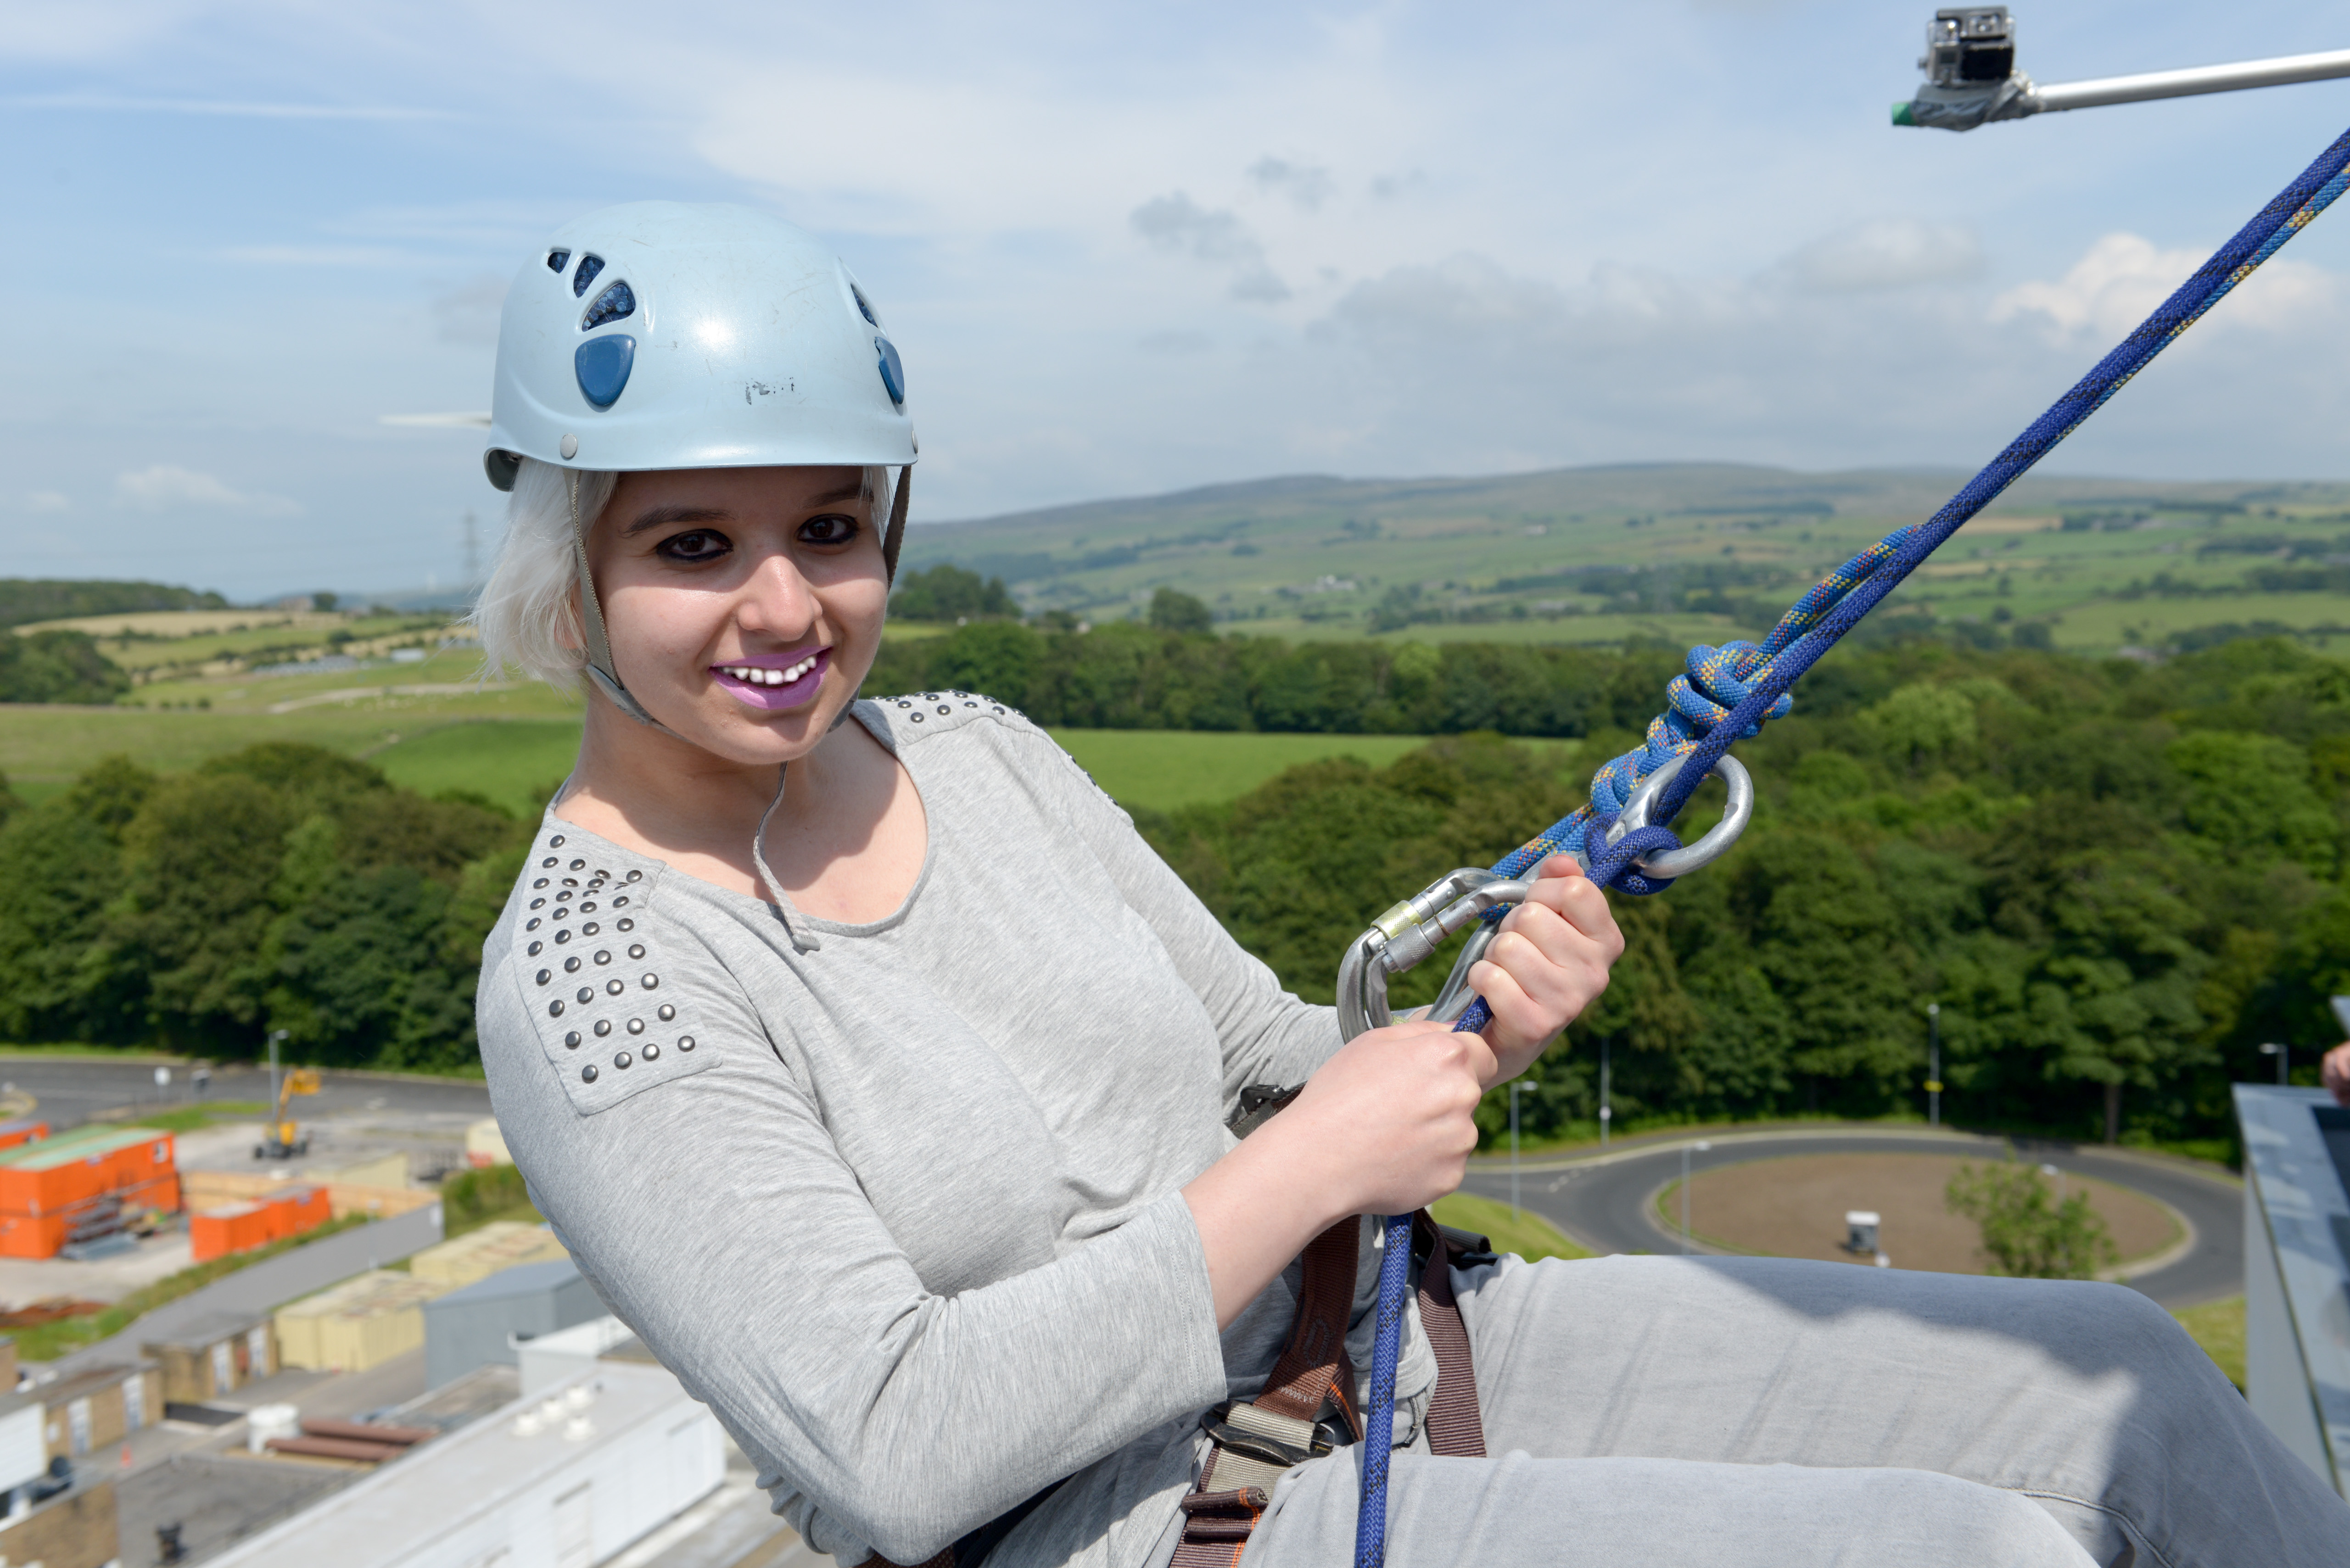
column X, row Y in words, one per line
column 2178, row 1226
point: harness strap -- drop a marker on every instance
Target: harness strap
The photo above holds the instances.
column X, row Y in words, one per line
column 1257, row 1441
column 1456, row 1428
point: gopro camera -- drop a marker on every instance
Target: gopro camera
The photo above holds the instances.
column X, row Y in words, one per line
column 1969, row 45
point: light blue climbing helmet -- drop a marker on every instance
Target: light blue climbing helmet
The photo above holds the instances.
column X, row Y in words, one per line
column 669, row 335
column 660, row 335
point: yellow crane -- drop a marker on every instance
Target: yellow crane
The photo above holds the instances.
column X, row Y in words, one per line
column 283, row 1140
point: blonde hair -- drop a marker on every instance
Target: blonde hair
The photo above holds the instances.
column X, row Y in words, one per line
column 528, row 614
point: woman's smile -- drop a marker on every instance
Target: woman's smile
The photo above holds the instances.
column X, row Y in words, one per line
column 773, row 682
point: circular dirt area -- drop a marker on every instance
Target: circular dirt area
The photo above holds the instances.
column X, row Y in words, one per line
column 1795, row 1207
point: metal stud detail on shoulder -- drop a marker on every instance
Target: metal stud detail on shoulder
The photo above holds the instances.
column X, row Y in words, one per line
column 621, row 1061
column 628, row 925
column 650, row 980
column 587, row 1074
column 685, row 1042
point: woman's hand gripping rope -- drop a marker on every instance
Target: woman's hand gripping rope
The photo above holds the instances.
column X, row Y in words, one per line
column 1387, row 1125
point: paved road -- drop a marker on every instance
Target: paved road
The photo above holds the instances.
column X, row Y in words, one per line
column 71, row 1090
column 1606, row 1202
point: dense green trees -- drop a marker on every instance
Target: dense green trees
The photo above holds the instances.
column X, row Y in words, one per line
column 281, row 888
column 26, row 599
column 1127, row 675
column 948, row 593
column 2116, row 881
column 57, row 667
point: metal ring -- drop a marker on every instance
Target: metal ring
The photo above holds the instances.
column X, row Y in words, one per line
column 1717, row 840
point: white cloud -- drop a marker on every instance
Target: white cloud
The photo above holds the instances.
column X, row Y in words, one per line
column 2123, row 277
column 168, row 487
column 1888, row 253
column 1178, row 224
column 320, row 256
column 1307, row 186
column 47, row 501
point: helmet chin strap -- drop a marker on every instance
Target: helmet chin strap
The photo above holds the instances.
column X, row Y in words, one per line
column 591, row 617
column 591, row 611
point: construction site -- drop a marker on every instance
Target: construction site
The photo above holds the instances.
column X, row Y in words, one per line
column 321, row 1357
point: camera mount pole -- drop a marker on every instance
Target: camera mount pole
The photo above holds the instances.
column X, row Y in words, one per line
column 1971, row 78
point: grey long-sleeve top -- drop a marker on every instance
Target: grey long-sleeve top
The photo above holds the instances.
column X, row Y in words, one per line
column 900, row 1201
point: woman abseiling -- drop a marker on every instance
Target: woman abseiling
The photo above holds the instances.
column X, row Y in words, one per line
column 880, row 1076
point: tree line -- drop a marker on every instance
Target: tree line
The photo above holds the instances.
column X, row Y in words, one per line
column 2117, row 879
column 284, row 886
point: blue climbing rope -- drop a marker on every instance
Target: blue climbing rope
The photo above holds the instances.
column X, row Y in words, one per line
column 1729, row 692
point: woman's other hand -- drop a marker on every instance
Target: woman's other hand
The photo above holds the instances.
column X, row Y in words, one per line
column 1548, row 963
column 2335, row 1073
column 1390, row 1120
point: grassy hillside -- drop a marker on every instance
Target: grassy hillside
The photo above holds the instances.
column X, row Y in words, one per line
column 1685, row 551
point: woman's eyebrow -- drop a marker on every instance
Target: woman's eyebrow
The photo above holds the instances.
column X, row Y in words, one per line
column 669, row 516
column 665, row 517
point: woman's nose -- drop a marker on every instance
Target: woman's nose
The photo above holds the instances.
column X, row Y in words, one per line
column 776, row 599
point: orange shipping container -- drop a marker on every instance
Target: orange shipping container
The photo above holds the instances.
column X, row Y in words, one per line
column 26, row 1130
column 303, row 1208
column 47, row 1185
column 237, row 1227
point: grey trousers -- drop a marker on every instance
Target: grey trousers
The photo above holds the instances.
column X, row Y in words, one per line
column 1762, row 1412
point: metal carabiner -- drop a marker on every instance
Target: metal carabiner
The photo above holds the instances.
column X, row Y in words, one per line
column 1706, row 850
column 1410, row 931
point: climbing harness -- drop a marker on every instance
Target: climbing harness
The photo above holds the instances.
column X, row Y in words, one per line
column 1620, row 838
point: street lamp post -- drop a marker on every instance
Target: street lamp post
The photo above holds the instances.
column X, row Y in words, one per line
column 1515, row 1084
column 1700, row 1146
column 1607, row 1111
column 275, row 1036
column 1933, row 1064
column 2280, row 1053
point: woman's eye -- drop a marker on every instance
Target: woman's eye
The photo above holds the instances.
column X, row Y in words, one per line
column 828, row 530
column 699, row 545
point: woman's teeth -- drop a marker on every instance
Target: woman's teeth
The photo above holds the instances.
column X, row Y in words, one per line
column 751, row 674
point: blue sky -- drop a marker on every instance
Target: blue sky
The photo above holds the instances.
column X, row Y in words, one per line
column 1128, row 249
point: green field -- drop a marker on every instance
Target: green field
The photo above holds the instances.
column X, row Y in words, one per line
column 516, row 763
column 1498, row 558
column 512, row 745
column 1162, row 769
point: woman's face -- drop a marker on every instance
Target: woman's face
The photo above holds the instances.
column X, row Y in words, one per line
column 743, row 604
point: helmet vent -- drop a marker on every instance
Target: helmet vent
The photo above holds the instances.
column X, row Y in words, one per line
column 893, row 371
column 865, row 306
column 556, row 261
column 590, row 266
column 615, row 302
